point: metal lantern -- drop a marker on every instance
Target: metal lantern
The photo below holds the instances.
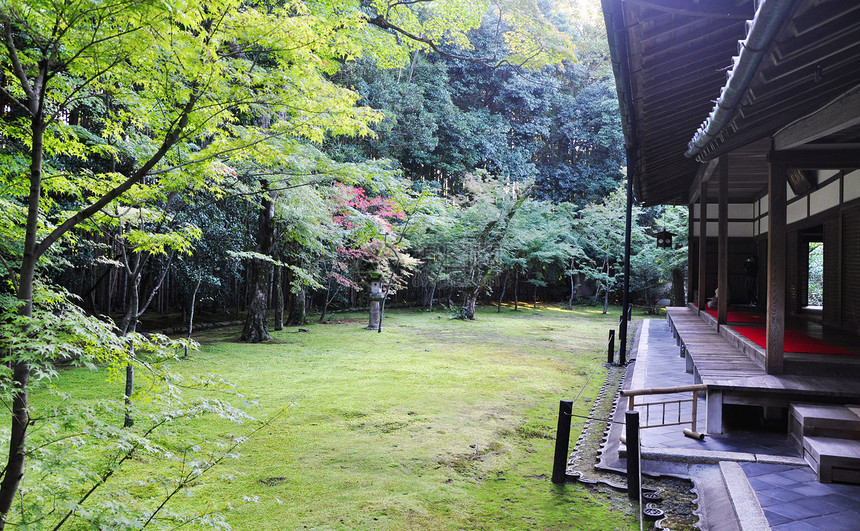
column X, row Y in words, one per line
column 664, row 239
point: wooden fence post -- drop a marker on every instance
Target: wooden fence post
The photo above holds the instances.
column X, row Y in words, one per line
column 562, row 441
column 632, row 428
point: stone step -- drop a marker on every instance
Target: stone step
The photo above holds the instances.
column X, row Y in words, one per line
column 747, row 511
column 821, row 420
column 833, row 459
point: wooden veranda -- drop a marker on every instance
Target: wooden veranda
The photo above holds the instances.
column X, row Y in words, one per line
column 748, row 113
column 774, row 166
column 732, row 376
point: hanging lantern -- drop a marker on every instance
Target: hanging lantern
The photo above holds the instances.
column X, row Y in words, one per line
column 664, row 239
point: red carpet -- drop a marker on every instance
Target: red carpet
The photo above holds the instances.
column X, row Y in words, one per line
column 739, row 317
column 794, row 341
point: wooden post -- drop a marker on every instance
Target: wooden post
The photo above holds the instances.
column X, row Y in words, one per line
column 776, row 235
column 632, row 424
column 703, row 237
column 610, row 351
column 714, row 412
column 695, row 412
column 723, row 243
column 690, row 276
column 625, row 299
column 562, row 441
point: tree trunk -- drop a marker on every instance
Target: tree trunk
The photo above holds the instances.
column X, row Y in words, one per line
column 20, row 366
column 129, row 326
column 324, row 310
column 129, row 323
column 432, row 296
column 17, row 439
column 298, row 309
column 606, row 286
column 678, row 295
column 34, row 100
column 516, row 290
column 428, row 297
column 572, row 286
column 238, row 296
column 327, row 298
column 191, row 312
column 534, row 305
column 256, row 327
column 469, row 305
column 381, row 311
column 504, row 288
column 128, row 420
column 606, row 299
column 278, row 291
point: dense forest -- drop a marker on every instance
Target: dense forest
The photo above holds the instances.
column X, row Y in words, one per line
column 456, row 175
column 267, row 159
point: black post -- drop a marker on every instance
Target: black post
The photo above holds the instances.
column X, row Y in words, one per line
column 622, row 330
column 610, row 351
column 562, row 441
column 631, row 419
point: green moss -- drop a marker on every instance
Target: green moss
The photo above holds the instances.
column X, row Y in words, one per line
column 432, row 424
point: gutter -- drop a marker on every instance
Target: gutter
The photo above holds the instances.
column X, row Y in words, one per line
column 761, row 30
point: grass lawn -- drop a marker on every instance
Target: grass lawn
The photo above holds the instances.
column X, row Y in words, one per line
column 432, row 424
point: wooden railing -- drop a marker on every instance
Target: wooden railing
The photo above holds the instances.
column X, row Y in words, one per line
column 691, row 432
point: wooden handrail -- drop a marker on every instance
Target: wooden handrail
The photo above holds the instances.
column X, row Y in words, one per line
column 631, row 395
column 664, row 390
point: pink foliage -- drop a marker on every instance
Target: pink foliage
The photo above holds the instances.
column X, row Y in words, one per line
column 379, row 210
column 382, row 210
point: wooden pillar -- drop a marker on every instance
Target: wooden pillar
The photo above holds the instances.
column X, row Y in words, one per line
column 723, row 243
column 690, row 232
column 776, row 235
column 703, row 240
column 714, row 412
column 625, row 299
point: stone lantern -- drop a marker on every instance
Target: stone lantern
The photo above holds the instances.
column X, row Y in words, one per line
column 376, row 296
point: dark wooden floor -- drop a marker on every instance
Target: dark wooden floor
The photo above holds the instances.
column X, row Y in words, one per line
column 810, row 326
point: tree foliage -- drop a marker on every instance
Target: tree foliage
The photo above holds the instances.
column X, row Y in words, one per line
column 235, row 149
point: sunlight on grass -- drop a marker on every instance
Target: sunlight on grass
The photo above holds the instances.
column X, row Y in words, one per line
column 433, row 424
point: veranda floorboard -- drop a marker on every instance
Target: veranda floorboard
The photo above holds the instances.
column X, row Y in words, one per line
column 733, row 377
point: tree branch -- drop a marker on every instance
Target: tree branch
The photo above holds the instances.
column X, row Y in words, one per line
column 169, row 141
column 383, row 23
column 158, row 285
column 17, row 68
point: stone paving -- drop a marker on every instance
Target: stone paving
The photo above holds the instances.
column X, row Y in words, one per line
column 789, row 494
column 793, row 499
column 659, row 364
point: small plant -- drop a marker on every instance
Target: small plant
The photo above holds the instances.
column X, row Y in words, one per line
column 458, row 312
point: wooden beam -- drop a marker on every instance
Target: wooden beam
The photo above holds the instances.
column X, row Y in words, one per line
column 841, row 113
column 703, row 240
column 722, row 9
column 702, row 175
column 776, row 235
column 723, row 243
column 817, row 159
